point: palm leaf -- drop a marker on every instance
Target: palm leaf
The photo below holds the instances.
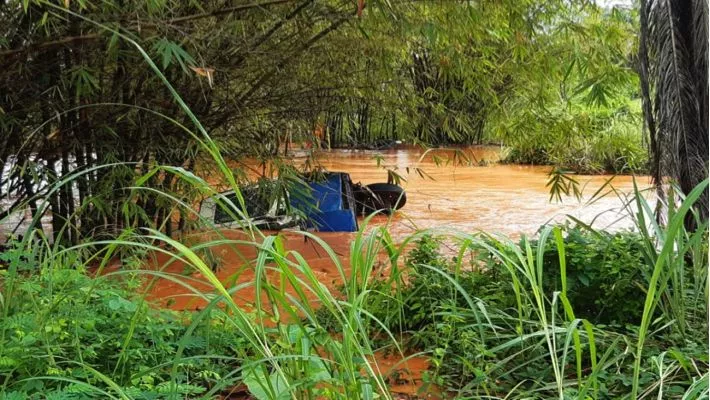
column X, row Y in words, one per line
column 677, row 56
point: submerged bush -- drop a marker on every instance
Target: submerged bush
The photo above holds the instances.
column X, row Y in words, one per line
column 588, row 140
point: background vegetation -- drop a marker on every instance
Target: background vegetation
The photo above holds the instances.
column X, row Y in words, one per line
column 556, row 82
column 110, row 146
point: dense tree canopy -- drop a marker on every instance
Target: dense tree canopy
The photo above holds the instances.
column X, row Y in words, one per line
column 76, row 95
column 555, row 80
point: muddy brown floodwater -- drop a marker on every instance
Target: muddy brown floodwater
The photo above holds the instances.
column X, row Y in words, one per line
column 497, row 198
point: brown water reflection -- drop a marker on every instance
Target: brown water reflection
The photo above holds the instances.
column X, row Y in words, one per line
column 498, row 198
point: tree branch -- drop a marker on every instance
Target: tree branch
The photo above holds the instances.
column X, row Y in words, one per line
column 264, row 78
column 274, row 28
column 94, row 36
column 58, row 42
column 226, row 11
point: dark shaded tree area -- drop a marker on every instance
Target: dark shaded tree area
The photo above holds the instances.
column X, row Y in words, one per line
column 674, row 79
column 76, row 96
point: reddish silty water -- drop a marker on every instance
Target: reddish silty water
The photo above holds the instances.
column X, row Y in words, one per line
column 497, row 198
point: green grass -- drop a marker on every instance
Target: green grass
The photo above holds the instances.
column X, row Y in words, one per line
column 501, row 319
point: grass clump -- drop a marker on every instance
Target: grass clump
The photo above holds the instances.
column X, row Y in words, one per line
column 558, row 316
column 66, row 334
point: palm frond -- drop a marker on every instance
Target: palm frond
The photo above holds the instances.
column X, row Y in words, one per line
column 677, row 54
column 700, row 59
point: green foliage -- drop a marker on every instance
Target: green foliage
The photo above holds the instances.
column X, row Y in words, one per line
column 561, row 183
column 582, row 113
column 473, row 72
column 311, row 370
column 169, row 53
column 64, row 325
column 605, row 275
column 429, row 291
column 77, row 95
column 494, row 323
column 585, row 141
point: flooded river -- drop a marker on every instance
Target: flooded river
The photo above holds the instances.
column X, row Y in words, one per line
column 497, row 198
column 507, row 199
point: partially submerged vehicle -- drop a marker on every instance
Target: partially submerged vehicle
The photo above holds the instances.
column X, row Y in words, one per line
column 327, row 202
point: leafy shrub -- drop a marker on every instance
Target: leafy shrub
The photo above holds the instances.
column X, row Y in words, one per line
column 584, row 139
column 64, row 324
column 434, row 286
column 604, row 275
column 529, row 152
column 435, row 290
column 487, row 347
column 621, row 152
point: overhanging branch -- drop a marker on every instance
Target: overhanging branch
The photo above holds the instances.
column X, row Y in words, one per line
column 227, row 10
column 94, row 36
column 51, row 43
column 264, row 78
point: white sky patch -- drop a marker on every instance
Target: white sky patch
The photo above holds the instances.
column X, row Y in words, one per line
column 614, row 3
